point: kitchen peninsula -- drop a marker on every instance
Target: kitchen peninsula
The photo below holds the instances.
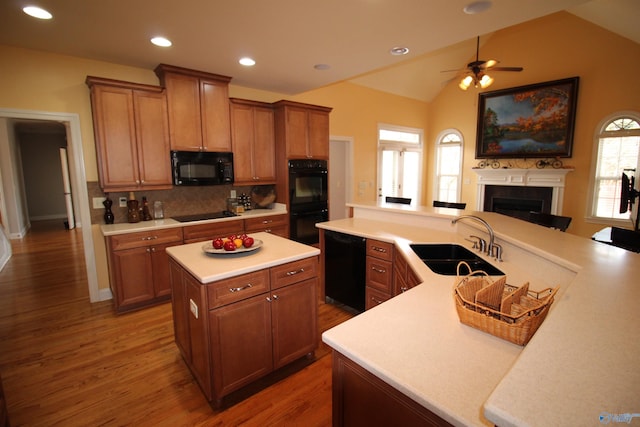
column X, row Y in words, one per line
column 580, row 365
column 239, row 316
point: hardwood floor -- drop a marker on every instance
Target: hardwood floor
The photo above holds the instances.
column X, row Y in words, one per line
column 68, row 362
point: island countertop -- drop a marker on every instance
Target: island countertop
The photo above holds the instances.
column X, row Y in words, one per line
column 208, row 268
column 581, row 363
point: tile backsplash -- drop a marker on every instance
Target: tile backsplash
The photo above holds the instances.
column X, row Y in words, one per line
column 177, row 201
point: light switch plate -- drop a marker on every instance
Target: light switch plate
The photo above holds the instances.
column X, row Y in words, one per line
column 123, row 202
column 97, row 202
column 194, row 308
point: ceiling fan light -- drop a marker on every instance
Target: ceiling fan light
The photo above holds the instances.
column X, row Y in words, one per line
column 485, row 81
column 490, row 63
column 465, row 83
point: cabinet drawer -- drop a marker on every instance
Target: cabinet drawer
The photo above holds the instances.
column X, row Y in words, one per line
column 378, row 249
column 293, row 272
column 264, row 223
column 202, row 232
column 374, row 297
column 145, row 238
column 237, row 288
column 379, row 274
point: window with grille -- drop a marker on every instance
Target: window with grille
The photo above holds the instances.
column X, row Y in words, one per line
column 448, row 166
column 399, row 162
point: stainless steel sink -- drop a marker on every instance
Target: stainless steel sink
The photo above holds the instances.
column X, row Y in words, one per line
column 443, row 258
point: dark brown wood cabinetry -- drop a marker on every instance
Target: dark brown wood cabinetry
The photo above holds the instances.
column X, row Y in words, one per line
column 131, row 134
column 204, row 232
column 253, row 142
column 275, row 224
column 139, row 267
column 404, row 278
column 246, row 326
column 198, row 105
column 302, row 130
column 379, row 274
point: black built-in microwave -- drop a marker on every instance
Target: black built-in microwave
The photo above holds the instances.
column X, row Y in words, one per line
column 201, row 168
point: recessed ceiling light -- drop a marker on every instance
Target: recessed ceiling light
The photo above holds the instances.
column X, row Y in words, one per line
column 37, row 12
column 397, row 51
column 161, row 41
column 477, row 7
column 322, row 66
column 247, row 62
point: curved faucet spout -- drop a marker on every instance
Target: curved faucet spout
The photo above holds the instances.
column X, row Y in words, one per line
column 492, row 244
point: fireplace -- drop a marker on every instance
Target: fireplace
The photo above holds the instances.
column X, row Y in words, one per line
column 517, row 201
column 516, row 192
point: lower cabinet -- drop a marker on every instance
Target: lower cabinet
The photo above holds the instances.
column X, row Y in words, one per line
column 139, row 267
column 244, row 327
column 275, row 224
column 209, row 231
column 362, row 399
column 379, row 274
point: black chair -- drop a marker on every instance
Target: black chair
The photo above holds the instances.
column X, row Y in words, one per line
column 403, row 200
column 548, row 220
column 439, row 204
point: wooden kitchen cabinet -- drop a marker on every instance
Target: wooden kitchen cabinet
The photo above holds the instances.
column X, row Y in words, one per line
column 198, row 106
column 139, row 267
column 253, row 142
column 302, row 130
column 275, row 224
column 379, row 273
column 404, row 277
column 131, row 134
column 255, row 323
column 205, row 232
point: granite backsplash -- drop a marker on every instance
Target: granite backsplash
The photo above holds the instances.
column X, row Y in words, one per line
column 177, row 201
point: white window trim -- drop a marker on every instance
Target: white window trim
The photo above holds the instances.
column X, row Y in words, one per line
column 441, row 135
column 401, row 147
column 589, row 218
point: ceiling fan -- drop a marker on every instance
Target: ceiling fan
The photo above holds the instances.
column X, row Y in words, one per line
column 476, row 71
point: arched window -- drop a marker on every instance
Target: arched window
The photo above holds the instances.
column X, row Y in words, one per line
column 618, row 151
column 448, row 166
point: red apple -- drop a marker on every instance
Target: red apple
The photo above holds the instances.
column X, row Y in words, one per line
column 247, row 242
column 229, row 245
column 218, row 243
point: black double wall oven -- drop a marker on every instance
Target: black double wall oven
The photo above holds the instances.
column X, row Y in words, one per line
column 308, row 198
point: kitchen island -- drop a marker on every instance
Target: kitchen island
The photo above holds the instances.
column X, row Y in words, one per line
column 580, row 365
column 239, row 316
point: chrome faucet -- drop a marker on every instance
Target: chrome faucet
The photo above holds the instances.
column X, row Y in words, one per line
column 492, row 249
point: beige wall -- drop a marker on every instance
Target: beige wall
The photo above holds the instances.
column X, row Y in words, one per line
column 550, row 48
column 554, row 47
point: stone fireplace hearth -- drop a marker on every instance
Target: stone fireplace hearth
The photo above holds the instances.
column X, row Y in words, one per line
column 515, row 191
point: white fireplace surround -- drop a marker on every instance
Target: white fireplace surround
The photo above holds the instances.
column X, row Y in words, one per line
column 524, row 178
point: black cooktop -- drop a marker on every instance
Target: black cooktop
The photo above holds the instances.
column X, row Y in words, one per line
column 203, row 216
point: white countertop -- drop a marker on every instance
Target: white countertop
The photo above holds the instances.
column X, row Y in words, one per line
column 582, row 362
column 209, row 268
column 125, row 227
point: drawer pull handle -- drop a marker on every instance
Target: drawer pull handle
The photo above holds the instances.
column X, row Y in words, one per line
column 241, row 288
column 150, row 238
column 293, row 273
column 267, row 221
column 273, row 298
column 379, row 249
column 267, row 230
column 379, row 270
column 377, row 301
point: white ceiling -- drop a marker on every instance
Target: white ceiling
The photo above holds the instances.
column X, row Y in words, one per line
column 288, row 37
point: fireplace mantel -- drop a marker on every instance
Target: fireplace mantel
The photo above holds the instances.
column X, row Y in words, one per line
column 524, row 178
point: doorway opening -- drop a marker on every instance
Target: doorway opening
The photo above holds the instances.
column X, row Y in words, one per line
column 340, row 176
column 10, row 202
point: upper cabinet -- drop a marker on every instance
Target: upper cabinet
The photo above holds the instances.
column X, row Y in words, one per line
column 198, row 105
column 253, row 141
column 302, row 130
column 132, row 135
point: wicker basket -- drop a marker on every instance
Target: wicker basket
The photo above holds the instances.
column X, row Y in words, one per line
column 508, row 312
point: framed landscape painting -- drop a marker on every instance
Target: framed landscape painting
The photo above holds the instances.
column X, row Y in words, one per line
column 527, row 121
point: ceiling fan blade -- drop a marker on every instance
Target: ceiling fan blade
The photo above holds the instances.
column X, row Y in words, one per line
column 507, row 69
column 451, row 71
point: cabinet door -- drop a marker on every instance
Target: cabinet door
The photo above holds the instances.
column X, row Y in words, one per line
column 296, row 132
column 241, row 349
column 318, row 134
column 264, row 145
column 214, row 108
column 160, row 266
column 293, row 313
column 242, row 128
column 198, row 331
column 114, row 125
column 152, row 136
column 183, row 104
column 132, row 276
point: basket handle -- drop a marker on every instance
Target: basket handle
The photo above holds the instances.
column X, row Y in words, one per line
column 470, row 271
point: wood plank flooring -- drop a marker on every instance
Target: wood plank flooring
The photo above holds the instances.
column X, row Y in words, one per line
column 65, row 361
